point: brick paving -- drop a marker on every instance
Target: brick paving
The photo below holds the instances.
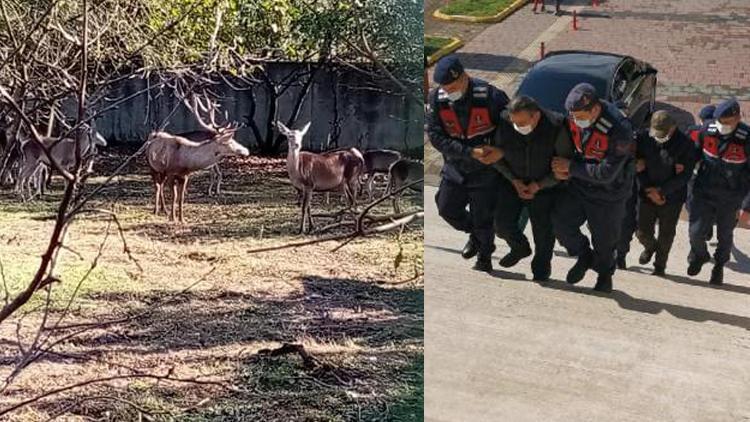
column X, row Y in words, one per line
column 701, row 48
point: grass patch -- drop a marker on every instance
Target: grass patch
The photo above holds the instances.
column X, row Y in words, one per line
column 476, row 8
column 433, row 44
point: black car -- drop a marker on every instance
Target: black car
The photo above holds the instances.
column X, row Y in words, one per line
column 625, row 81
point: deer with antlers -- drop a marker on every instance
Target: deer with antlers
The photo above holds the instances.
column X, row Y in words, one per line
column 173, row 158
column 310, row 172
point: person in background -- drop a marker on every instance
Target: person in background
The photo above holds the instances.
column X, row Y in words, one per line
column 666, row 158
column 558, row 12
column 462, row 120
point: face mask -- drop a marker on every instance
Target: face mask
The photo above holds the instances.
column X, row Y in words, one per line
column 455, row 95
column 658, row 139
column 523, row 130
column 724, row 129
column 583, row 124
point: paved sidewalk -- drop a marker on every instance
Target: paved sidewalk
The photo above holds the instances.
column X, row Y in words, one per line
column 501, row 348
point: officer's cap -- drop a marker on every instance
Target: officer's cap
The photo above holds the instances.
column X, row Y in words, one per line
column 707, row 112
column 447, row 70
column 728, row 108
column 661, row 123
column 581, row 97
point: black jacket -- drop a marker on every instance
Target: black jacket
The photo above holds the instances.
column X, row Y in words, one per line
column 661, row 160
column 457, row 160
column 721, row 177
column 611, row 178
column 529, row 157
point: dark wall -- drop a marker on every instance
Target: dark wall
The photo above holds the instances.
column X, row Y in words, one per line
column 371, row 113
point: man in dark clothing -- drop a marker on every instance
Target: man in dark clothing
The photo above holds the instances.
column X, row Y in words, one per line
column 463, row 117
column 666, row 158
column 706, row 116
column 719, row 187
column 601, row 176
column 527, row 148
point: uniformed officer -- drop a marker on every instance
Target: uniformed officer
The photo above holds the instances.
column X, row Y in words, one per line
column 465, row 112
column 666, row 158
column 719, row 187
column 527, row 148
column 601, row 176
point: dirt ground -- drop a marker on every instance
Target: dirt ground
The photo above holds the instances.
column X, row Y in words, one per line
column 201, row 307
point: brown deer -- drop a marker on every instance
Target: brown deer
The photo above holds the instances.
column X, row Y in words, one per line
column 378, row 161
column 310, row 172
column 402, row 173
column 173, row 158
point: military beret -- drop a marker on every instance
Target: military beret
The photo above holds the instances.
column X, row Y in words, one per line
column 727, row 108
column 581, row 97
column 707, row 112
column 447, row 70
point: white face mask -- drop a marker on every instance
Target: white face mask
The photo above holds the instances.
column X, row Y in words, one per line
column 658, row 139
column 724, row 129
column 583, row 124
column 523, row 130
column 455, row 95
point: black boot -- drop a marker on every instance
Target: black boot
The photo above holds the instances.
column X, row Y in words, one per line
column 646, row 256
column 484, row 264
column 578, row 271
column 516, row 254
column 541, row 272
column 659, row 271
column 471, row 249
column 604, row 283
column 696, row 265
column 717, row 275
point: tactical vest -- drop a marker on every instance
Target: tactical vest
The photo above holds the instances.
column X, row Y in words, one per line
column 480, row 122
column 595, row 147
column 732, row 152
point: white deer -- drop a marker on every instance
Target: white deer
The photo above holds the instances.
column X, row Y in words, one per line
column 173, row 158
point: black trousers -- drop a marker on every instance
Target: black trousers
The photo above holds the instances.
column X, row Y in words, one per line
column 705, row 209
column 452, row 200
column 507, row 213
column 629, row 223
column 604, row 220
column 667, row 216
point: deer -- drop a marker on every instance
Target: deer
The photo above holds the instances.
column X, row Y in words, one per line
column 378, row 161
column 173, row 158
column 34, row 164
column 214, row 185
column 400, row 174
column 310, row 172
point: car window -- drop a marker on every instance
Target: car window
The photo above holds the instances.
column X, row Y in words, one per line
column 626, row 79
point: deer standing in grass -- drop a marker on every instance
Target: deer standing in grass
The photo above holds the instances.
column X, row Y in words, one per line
column 310, row 172
column 173, row 158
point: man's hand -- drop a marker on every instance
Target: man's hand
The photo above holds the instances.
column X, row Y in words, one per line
column 655, row 196
column 679, row 168
column 534, row 188
column 640, row 165
column 491, row 154
column 561, row 168
column 478, row 153
column 522, row 189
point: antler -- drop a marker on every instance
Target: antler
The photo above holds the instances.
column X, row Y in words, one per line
column 195, row 107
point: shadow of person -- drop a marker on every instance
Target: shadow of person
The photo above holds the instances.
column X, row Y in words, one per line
column 630, row 303
column 693, row 282
column 742, row 264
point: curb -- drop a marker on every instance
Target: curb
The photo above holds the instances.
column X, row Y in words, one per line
column 452, row 46
column 482, row 19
